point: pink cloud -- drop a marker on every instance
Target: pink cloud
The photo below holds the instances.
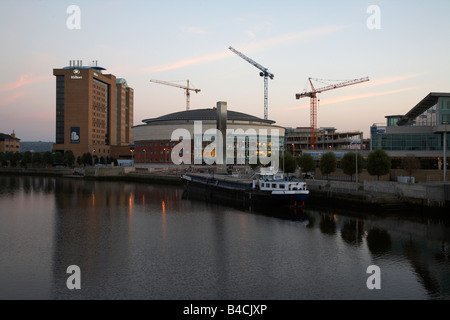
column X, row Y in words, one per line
column 351, row 97
column 24, row 80
column 8, row 99
column 270, row 42
column 390, row 79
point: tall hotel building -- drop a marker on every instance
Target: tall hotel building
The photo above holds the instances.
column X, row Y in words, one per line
column 94, row 112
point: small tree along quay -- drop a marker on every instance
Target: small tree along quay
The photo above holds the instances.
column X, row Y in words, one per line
column 306, row 163
column 348, row 164
column 378, row 163
column 411, row 164
column 328, row 163
column 290, row 164
column 69, row 158
column 44, row 159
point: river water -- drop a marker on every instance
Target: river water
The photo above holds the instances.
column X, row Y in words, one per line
column 144, row 241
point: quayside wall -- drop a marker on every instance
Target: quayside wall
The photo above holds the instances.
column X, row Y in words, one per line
column 384, row 194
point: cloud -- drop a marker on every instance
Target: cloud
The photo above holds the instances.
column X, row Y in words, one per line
column 270, row 42
column 391, row 79
column 24, row 80
column 293, row 37
column 194, row 30
column 352, row 97
column 11, row 98
column 189, row 62
column 264, row 26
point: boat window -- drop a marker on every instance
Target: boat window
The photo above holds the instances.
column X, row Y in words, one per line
column 267, row 185
column 274, row 185
column 282, row 186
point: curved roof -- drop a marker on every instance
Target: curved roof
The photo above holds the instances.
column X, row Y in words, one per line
column 86, row 67
column 206, row 114
column 430, row 100
column 122, row 81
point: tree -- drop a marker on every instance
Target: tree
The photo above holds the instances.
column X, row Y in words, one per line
column 306, row 163
column 58, row 158
column 10, row 158
column 410, row 164
column 327, row 164
column 79, row 161
column 17, row 157
column 378, row 163
column 348, row 163
column 69, row 158
column 27, row 158
column 37, row 158
column 48, row 158
column 289, row 162
column 86, row 159
column 3, row 159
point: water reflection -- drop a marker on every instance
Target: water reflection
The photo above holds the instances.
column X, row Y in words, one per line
column 134, row 240
column 327, row 223
column 353, row 231
column 378, row 241
column 421, row 267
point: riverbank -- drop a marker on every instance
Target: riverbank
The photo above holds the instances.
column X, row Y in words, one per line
column 373, row 195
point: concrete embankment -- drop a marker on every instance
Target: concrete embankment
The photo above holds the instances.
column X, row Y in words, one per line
column 384, row 195
column 377, row 195
column 36, row 171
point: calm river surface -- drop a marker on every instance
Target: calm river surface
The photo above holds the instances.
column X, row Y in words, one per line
column 142, row 241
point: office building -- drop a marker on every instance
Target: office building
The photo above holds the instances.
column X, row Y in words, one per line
column 422, row 132
column 94, row 111
column 298, row 140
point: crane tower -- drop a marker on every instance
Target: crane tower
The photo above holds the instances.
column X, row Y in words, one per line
column 187, row 88
column 313, row 102
column 264, row 73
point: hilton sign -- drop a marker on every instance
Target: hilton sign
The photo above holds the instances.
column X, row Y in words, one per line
column 76, row 75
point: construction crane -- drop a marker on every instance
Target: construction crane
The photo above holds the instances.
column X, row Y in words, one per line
column 187, row 88
column 313, row 102
column 264, row 73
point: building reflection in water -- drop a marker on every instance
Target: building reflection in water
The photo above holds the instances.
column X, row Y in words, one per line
column 115, row 231
column 105, row 235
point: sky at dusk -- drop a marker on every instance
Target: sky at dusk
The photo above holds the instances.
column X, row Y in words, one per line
column 403, row 48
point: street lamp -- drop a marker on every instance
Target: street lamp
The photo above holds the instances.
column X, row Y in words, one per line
column 445, row 150
column 132, row 157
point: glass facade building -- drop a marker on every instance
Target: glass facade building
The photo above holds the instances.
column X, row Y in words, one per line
column 408, row 141
column 421, row 129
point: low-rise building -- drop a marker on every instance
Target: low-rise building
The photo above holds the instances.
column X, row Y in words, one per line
column 9, row 143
